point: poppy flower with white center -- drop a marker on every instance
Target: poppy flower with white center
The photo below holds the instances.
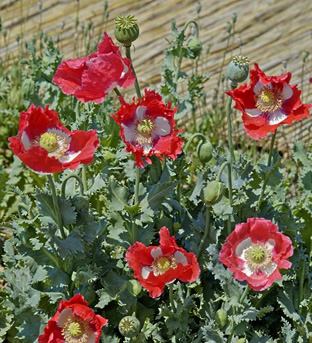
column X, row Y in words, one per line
column 155, row 266
column 147, row 127
column 255, row 251
column 268, row 102
column 74, row 322
column 46, row 146
column 92, row 77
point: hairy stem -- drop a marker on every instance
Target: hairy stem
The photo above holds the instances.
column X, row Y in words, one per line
column 206, row 233
column 136, row 83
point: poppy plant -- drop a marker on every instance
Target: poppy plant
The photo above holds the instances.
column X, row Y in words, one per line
column 147, row 127
column 268, row 102
column 255, row 251
column 155, row 266
column 46, row 146
column 92, row 77
column 73, row 322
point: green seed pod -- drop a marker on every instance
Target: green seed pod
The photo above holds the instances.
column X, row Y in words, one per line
column 204, row 151
column 213, row 192
column 126, row 29
column 195, row 46
column 242, row 340
column 221, row 318
column 129, row 326
column 238, row 69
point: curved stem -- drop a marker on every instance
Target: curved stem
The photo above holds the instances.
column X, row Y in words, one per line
column 206, row 233
column 223, row 165
column 65, row 182
column 269, row 165
column 56, row 207
column 192, row 21
column 136, row 83
column 197, row 134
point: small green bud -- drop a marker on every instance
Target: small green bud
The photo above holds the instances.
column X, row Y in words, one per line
column 304, row 56
column 204, row 151
column 228, row 27
column 221, row 318
column 195, row 46
column 80, row 202
column 126, row 29
column 129, row 326
column 234, row 17
column 213, row 192
column 238, row 69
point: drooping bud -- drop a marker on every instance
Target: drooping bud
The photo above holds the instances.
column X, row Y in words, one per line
column 305, row 55
column 204, row 151
column 129, row 326
column 126, row 29
column 213, row 192
column 238, row 69
column 195, row 46
column 221, row 318
column 80, row 202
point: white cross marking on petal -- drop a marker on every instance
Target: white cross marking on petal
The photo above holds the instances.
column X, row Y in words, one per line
column 276, row 117
column 156, row 253
column 287, row 92
column 64, row 316
column 26, row 141
column 253, row 112
column 269, row 269
column 242, row 246
column 139, row 113
column 145, row 272
column 259, row 86
column 130, row 133
column 162, row 127
column 180, row 258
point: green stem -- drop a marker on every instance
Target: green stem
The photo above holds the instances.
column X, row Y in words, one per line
column 84, row 178
column 223, row 165
column 197, row 134
column 52, row 257
column 301, row 284
column 206, row 233
column 56, row 207
column 229, row 126
column 171, row 297
column 243, row 296
column 116, row 90
column 136, row 201
column 136, row 83
column 66, row 180
column 264, row 294
column 194, row 119
column 229, row 222
column 269, row 165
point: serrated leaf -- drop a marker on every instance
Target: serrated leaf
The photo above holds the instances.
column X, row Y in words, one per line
column 195, row 196
column 72, row 244
column 118, row 195
column 68, row 212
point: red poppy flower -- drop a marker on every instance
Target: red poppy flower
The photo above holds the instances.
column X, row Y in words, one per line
column 74, row 322
column 155, row 266
column 147, row 128
column 268, row 102
column 91, row 78
column 255, row 251
column 46, row 146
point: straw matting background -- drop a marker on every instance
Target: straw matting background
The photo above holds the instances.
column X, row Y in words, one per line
column 268, row 32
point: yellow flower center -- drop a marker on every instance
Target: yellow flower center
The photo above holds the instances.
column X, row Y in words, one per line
column 76, row 330
column 269, row 99
column 145, row 127
column 162, row 264
column 258, row 256
column 49, row 141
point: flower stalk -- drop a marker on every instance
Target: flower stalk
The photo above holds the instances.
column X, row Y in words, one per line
column 136, row 82
column 269, row 165
column 56, row 207
column 136, row 201
column 206, row 233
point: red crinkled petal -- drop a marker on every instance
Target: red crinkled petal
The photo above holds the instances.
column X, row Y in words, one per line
column 68, row 74
column 259, row 230
column 100, row 78
column 168, row 243
column 84, row 141
column 128, row 79
column 107, row 46
column 52, row 334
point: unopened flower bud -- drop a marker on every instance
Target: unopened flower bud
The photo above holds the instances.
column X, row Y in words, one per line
column 195, row 45
column 204, row 151
column 238, row 69
column 228, row 27
column 213, row 192
column 126, row 29
column 80, row 202
column 234, row 17
column 129, row 326
column 221, row 318
column 304, row 56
